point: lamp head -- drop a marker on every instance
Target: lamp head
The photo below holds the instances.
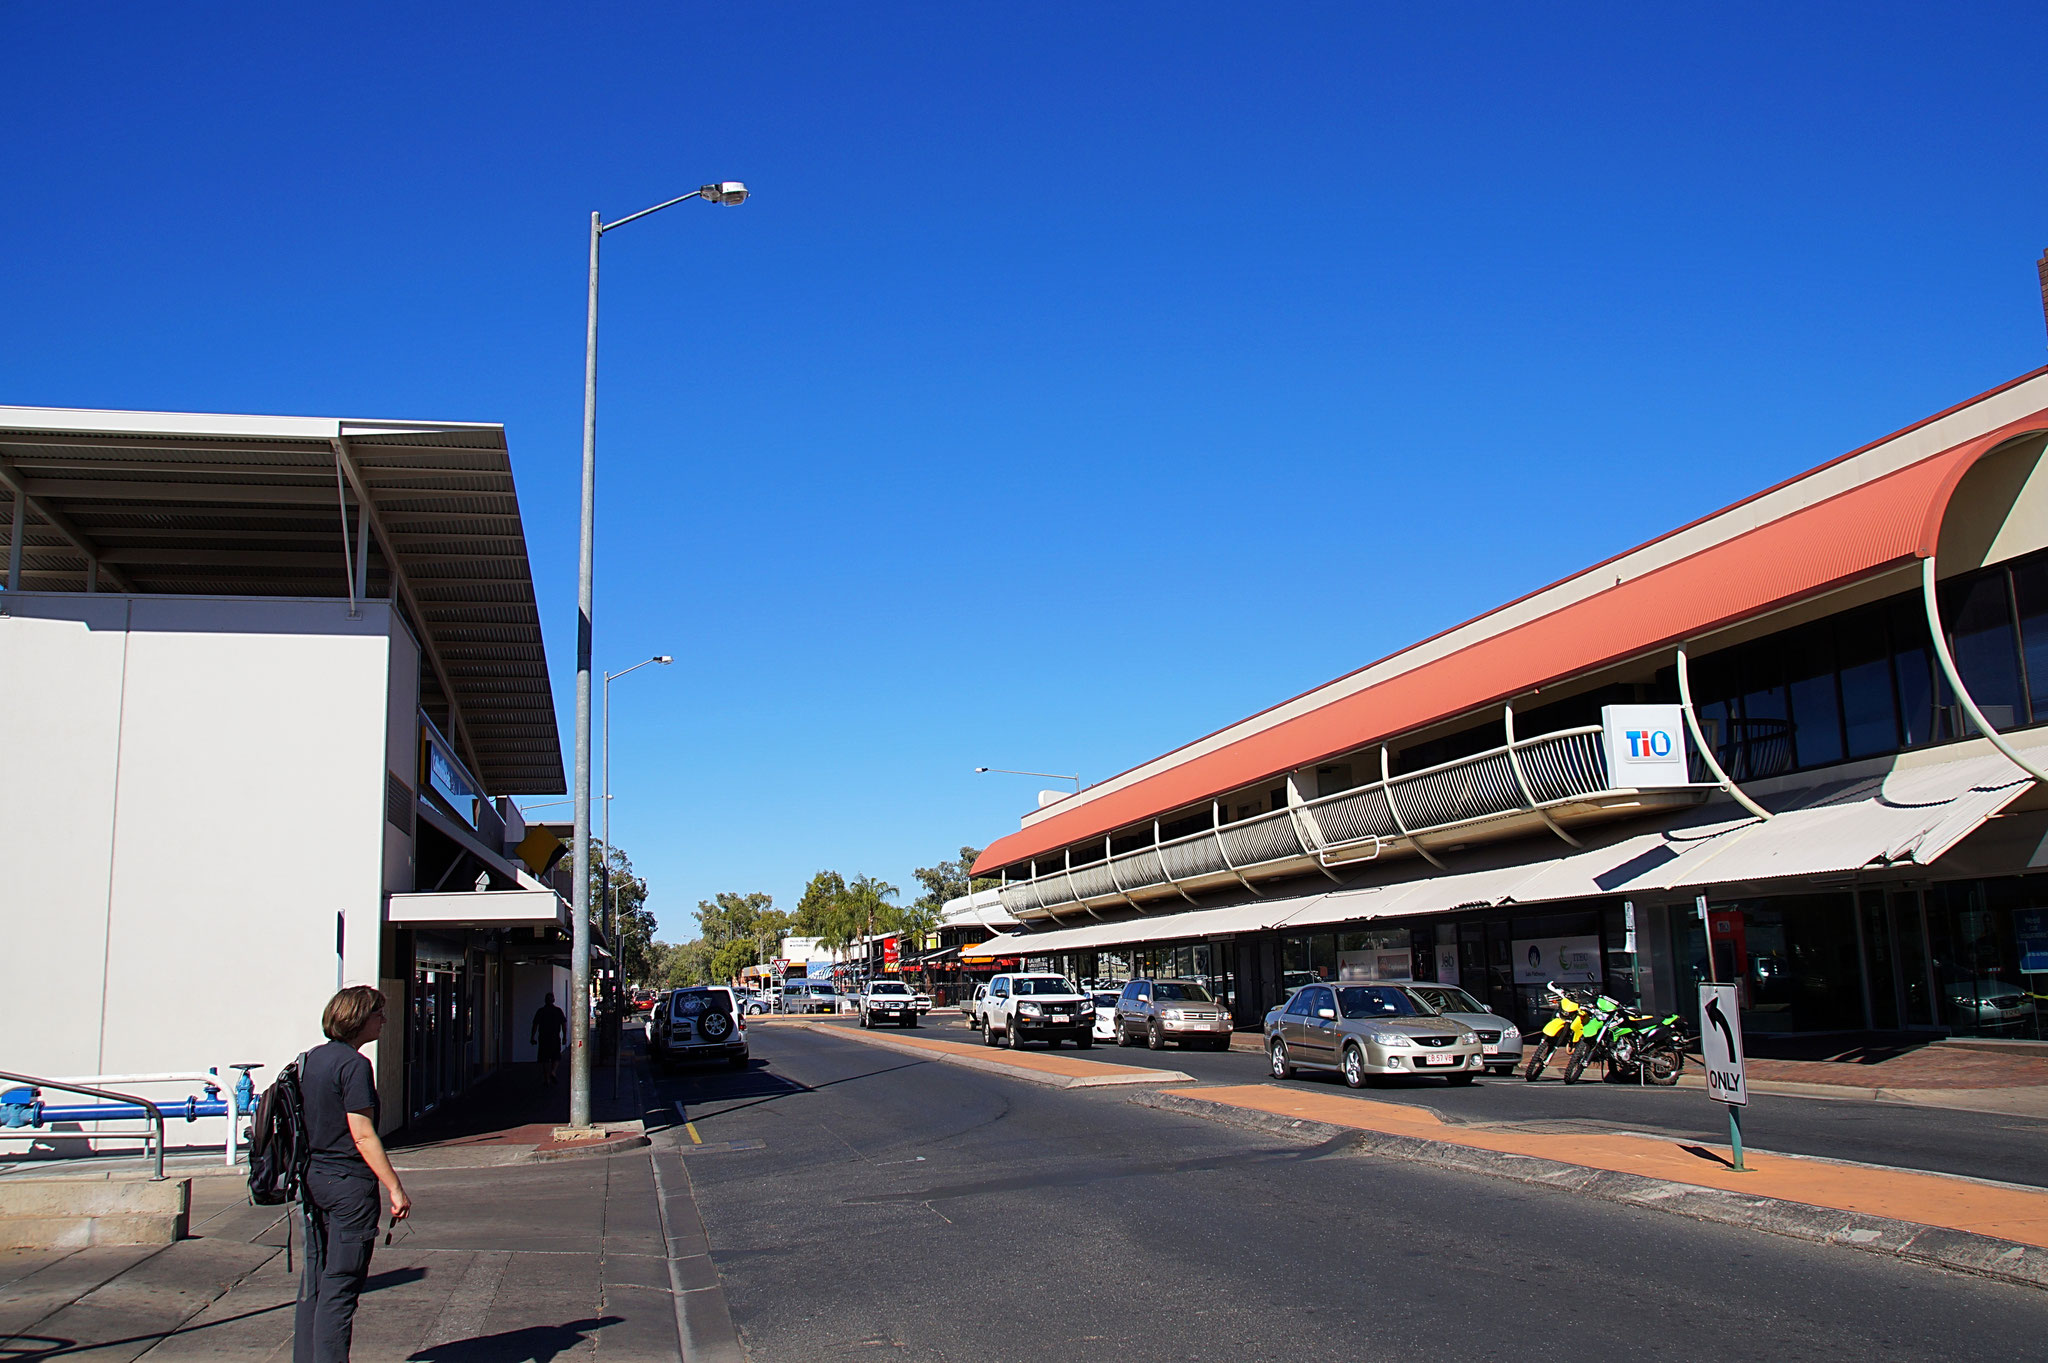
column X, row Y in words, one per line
column 981, row 769
column 728, row 192
column 664, row 659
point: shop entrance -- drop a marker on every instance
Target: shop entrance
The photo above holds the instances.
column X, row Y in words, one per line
column 1894, row 927
column 437, row 1041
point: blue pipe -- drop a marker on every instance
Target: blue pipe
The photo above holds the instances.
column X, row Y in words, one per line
column 21, row 1107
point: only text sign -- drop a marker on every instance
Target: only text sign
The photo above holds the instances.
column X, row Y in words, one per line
column 1721, row 1044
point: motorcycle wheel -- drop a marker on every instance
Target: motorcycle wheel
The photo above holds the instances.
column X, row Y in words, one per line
column 1582, row 1056
column 1664, row 1067
column 1538, row 1058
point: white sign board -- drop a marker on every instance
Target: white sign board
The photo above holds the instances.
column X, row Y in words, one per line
column 1567, row 960
column 1721, row 1044
column 1645, row 746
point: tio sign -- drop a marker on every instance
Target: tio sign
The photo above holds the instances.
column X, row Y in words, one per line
column 1721, row 1044
column 1645, row 746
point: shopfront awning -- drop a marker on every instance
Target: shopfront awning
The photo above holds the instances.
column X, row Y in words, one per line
column 1910, row 815
column 477, row 909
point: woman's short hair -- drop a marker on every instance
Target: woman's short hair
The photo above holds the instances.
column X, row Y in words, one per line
column 349, row 1011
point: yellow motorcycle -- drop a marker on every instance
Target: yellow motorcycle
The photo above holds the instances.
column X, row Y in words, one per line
column 1563, row 1031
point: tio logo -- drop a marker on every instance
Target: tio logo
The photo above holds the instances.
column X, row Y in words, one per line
column 1648, row 743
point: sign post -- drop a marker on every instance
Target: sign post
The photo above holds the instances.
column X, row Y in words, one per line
column 1721, row 1049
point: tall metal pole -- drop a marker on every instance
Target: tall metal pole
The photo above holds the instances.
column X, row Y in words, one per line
column 610, row 908
column 579, row 957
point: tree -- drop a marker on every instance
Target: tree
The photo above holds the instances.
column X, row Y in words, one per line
column 819, row 903
column 739, row 930
column 686, row 963
column 636, row 923
column 950, row 880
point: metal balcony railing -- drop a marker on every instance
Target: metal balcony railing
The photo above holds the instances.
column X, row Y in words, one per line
column 1352, row 825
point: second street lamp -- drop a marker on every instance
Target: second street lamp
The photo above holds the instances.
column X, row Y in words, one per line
column 729, row 193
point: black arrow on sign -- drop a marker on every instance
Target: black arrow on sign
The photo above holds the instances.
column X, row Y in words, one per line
column 1714, row 1016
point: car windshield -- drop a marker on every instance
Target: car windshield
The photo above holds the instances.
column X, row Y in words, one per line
column 1180, row 991
column 1043, row 984
column 1105, row 999
column 1375, row 1001
column 888, row 987
column 698, row 1004
column 1448, row 999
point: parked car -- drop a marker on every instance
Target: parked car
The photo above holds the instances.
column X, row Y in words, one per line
column 1048, row 1008
column 810, row 996
column 888, row 1001
column 700, row 1023
column 754, row 1001
column 1183, row 1011
column 971, row 1008
column 1366, row 1032
column 1105, row 1013
column 1500, row 1041
column 1989, row 1004
column 642, row 1000
column 924, row 1001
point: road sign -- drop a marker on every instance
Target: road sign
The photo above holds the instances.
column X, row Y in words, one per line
column 1721, row 1044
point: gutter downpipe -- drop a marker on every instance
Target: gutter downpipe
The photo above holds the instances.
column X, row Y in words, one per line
column 1699, row 742
column 1522, row 780
column 1955, row 680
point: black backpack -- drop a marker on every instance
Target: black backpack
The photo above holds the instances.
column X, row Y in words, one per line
column 279, row 1151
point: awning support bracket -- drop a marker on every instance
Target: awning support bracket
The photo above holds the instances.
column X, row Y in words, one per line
column 1216, row 827
column 1310, row 846
column 1955, row 680
column 1522, row 779
column 1160, row 852
column 348, row 563
column 1705, row 750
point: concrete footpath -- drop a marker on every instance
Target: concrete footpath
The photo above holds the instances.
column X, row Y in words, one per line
column 1996, row 1229
column 509, row 1255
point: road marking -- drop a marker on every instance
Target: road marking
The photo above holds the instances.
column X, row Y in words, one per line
column 691, row 1127
column 918, row 1160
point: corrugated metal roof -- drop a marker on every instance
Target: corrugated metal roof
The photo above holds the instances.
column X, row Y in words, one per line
column 1867, row 513
column 235, row 505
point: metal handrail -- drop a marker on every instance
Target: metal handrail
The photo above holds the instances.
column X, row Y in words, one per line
column 1310, row 843
column 156, row 1113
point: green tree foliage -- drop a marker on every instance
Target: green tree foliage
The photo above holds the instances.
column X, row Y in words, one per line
column 686, row 963
column 815, row 910
column 739, row 930
column 949, row 880
column 636, row 923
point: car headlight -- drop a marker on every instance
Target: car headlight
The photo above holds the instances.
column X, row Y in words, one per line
column 1468, row 1038
column 1029, row 1009
column 1172, row 1014
column 1390, row 1039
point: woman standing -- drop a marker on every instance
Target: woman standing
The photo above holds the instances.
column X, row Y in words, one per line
column 341, row 1186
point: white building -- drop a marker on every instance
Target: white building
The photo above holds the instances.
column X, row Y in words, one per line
column 269, row 684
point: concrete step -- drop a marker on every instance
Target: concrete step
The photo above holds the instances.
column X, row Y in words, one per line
column 90, row 1211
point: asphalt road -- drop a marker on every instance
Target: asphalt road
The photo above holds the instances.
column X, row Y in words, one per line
column 2007, row 1148
column 906, row 1209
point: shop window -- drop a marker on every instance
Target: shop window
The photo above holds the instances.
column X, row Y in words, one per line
column 1978, row 614
column 1913, row 673
column 2030, row 595
column 1869, row 718
column 1816, row 706
column 1765, row 747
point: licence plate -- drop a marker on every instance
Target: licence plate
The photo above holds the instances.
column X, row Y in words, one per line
column 1490, row 1050
column 1436, row 1059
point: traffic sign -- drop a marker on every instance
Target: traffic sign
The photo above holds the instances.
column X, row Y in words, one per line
column 1721, row 1044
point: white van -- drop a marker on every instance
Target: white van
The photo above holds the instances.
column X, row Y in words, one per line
column 809, row 996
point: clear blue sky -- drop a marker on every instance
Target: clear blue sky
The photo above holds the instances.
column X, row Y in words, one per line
column 1082, row 378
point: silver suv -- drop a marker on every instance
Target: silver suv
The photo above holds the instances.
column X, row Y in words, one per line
column 698, row 1024
column 1158, row 1011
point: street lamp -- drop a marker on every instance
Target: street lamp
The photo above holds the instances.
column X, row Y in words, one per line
column 611, row 895
column 728, row 192
column 1048, row 775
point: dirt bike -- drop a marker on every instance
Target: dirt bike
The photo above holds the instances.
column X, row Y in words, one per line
column 1562, row 1030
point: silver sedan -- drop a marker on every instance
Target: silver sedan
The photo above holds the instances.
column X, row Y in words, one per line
column 1367, row 1032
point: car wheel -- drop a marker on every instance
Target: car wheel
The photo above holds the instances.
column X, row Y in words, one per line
column 864, row 1020
column 910, row 1022
column 988, row 1034
column 1010, row 1036
column 1354, row 1067
column 1123, row 1035
column 1155, row 1036
column 1280, row 1066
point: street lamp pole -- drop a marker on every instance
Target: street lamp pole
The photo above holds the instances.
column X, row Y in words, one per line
column 727, row 192
column 1048, row 775
column 611, row 897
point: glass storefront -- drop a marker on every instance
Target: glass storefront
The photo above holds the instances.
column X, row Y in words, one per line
column 1988, row 956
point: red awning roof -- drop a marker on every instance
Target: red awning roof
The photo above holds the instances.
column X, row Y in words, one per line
column 1883, row 523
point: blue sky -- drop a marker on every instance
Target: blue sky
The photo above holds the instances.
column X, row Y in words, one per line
column 1081, row 379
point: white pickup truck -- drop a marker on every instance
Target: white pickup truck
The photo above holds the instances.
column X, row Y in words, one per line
column 1048, row 1008
column 888, row 1001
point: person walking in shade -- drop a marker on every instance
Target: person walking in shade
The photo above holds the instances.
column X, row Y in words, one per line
column 348, row 1164
column 549, row 1023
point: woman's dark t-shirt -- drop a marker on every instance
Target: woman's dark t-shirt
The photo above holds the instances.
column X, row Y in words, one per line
column 336, row 1081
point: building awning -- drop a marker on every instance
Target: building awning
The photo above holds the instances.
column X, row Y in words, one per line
column 1867, row 512
column 231, row 505
column 1910, row 815
column 476, row 909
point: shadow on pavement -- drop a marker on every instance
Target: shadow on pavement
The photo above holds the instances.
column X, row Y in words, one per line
column 533, row 1344
column 393, row 1277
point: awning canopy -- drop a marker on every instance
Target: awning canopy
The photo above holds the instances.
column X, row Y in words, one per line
column 225, row 505
column 477, row 909
column 1910, row 815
